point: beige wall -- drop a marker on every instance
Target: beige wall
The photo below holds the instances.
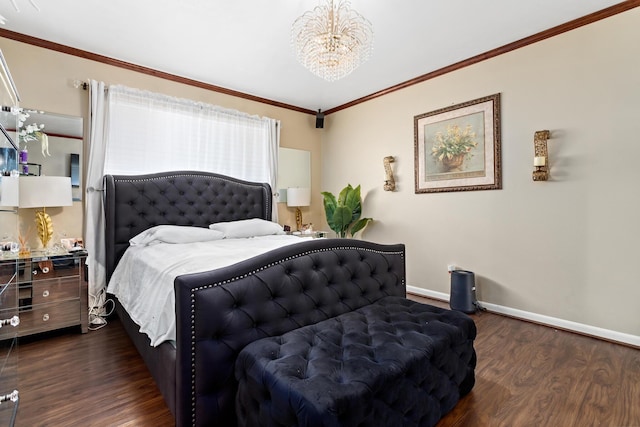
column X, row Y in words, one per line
column 566, row 248
column 45, row 81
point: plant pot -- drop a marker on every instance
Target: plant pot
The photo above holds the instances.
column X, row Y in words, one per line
column 453, row 163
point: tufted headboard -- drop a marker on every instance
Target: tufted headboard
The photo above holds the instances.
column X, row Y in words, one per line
column 134, row 203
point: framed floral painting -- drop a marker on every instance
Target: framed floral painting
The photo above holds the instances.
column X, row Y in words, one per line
column 457, row 148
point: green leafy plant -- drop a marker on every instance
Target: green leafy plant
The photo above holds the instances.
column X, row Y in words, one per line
column 343, row 214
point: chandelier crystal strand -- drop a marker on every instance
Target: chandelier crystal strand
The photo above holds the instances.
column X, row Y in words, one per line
column 332, row 40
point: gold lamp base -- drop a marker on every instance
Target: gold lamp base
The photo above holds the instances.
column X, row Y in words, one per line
column 45, row 227
column 298, row 219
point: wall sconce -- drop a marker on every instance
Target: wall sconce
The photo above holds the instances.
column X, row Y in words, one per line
column 541, row 156
column 389, row 181
column 297, row 197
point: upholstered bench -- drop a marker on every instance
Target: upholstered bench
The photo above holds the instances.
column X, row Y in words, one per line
column 395, row 362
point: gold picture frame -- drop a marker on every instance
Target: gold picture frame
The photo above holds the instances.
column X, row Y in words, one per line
column 457, row 148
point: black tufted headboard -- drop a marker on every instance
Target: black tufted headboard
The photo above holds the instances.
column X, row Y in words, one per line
column 134, row 203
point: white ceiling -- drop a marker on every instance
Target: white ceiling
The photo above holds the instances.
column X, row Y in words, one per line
column 244, row 45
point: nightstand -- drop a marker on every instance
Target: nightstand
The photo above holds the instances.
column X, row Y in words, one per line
column 9, row 321
column 52, row 292
column 314, row 234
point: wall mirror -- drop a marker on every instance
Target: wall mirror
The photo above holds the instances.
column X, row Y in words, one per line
column 63, row 156
column 8, row 157
column 294, row 170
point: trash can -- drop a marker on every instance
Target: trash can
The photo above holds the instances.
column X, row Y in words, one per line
column 463, row 291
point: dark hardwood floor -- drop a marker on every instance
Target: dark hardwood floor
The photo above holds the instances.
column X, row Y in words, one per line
column 527, row 375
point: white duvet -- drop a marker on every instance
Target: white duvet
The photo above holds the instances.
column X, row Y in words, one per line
column 143, row 279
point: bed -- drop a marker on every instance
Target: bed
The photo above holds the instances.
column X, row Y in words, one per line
column 219, row 312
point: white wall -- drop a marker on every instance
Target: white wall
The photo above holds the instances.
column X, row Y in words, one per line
column 566, row 248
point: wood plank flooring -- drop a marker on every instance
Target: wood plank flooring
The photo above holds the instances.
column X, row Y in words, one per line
column 527, row 375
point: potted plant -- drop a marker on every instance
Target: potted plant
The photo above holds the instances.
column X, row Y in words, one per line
column 452, row 147
column 343, row 214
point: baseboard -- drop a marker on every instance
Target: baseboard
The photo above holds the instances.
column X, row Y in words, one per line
column 580, row 328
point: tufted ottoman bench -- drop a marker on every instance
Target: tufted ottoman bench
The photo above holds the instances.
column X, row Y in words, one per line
column 395, row 362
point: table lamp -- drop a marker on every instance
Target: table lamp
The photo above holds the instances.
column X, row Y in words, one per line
column 297, row 197
column 43, row 192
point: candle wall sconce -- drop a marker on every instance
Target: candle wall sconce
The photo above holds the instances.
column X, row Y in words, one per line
column 541, row 156
column 389, row 181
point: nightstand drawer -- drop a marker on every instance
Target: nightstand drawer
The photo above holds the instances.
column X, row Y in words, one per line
column 8, row 364
column 8, row 309
column 52, row 272
column 8, row 296
column 8, row 332
column 55, row 290
column 8, row 379
column 7, row 272
column 50, row 316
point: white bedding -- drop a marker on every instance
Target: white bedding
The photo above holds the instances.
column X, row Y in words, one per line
column 143, row 279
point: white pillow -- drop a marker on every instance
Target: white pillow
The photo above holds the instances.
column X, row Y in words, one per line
column 247, row 228
column 175, row 234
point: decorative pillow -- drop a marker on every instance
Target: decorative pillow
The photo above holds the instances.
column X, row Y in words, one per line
column 247, row 228
column 175, row 234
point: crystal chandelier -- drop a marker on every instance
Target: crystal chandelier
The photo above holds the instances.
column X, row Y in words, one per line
column 332, row 40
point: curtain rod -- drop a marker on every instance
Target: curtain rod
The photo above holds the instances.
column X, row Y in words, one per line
column 79, row 84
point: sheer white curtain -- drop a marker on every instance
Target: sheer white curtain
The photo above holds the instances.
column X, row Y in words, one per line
column 94, row 211
column 150, row 132
column 138, row 132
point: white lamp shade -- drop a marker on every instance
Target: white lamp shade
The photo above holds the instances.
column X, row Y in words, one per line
column 8, row 191
column 298, row 196
column 45, row 191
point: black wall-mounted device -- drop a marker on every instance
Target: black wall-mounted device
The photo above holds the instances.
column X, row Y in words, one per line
column 319, row 119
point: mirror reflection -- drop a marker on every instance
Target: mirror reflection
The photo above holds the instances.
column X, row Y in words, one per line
column 50, row 144
column 8, row 185
column 294, row 170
